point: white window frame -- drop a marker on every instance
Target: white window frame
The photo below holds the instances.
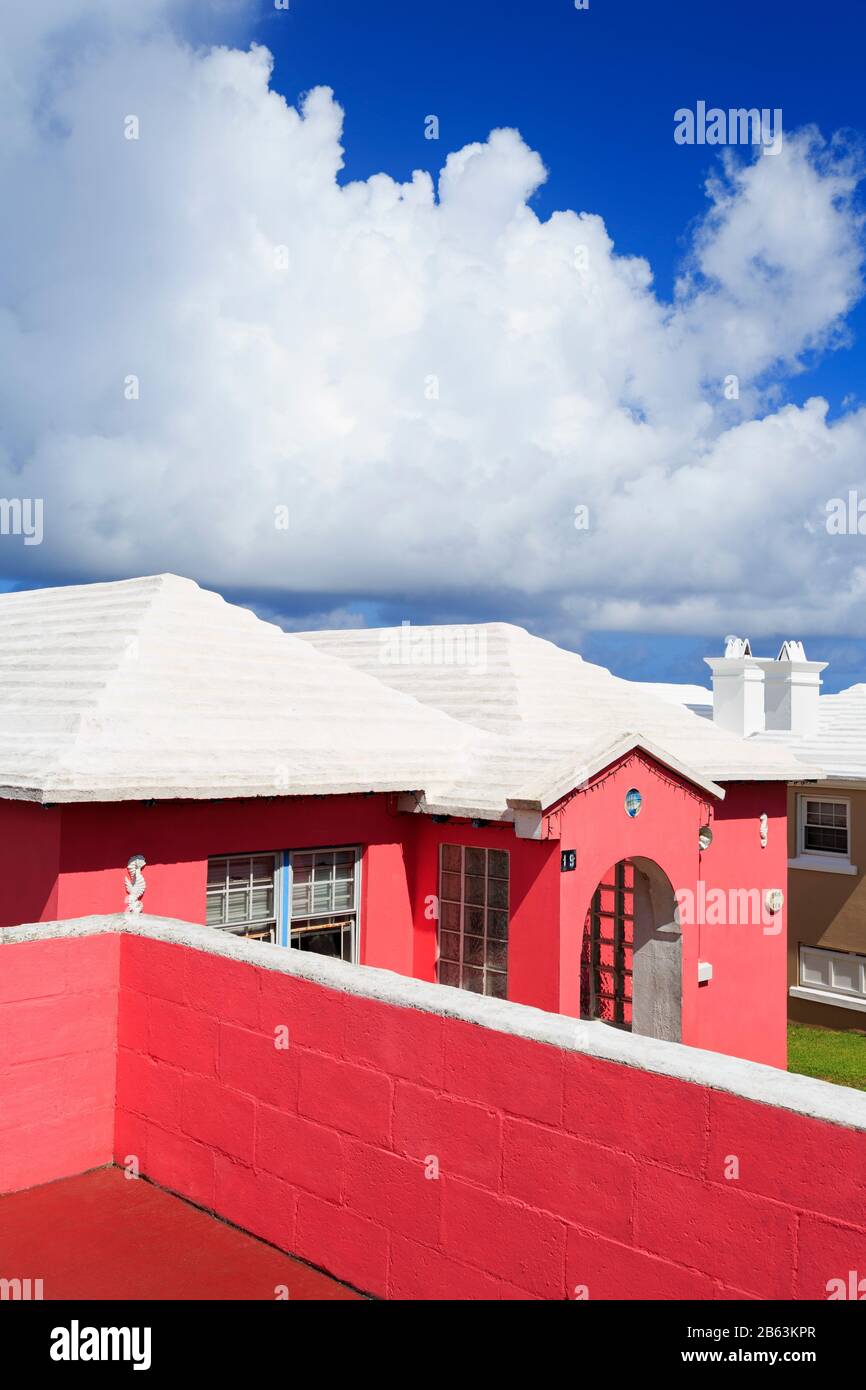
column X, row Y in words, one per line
column 486, row 969
column 273, row 917
column 823, row 860
column 355, row 910
column 831, row 993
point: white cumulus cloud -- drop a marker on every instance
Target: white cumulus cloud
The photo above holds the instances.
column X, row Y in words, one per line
column 427, row 376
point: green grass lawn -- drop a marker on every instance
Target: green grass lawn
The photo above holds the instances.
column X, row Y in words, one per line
column 827, row 1054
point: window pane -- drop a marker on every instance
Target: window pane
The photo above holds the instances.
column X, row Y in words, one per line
column 473, row 919
column 475, row 861
column 473, row 979
column 497, row 954
column 497, row 863
column 474, row 890
column 262, row 903
column 497, row 889
column 451, row 887
column 322, row 897
column 473, row 950
column 821, row 837
column 846, row 973
column 815, row 968
column 497, row 926
column 237, row 901
column 215, row 903
column 451, row 858
column 449, row 974
column 449, row 945
column 301, row 902
column 239, row 871
column 496, row 985
column 344, row 895
column 216, row 873
column 450, row 917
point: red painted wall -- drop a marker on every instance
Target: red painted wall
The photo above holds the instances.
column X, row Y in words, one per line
column 533, row 928
column 556, row 1172
column 29, row 862
column 58, row 1023
column 74, row 865
column 742, row 1010
column 177, row 838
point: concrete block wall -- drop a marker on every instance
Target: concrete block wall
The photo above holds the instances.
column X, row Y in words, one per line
column 408, row 1144
column 58, row 1026
column 415, row 1141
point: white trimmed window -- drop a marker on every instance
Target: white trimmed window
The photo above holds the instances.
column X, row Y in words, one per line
column 473, row 919
column 841, row 974
column 324, row 902
column 241, row 895
column 824, row 826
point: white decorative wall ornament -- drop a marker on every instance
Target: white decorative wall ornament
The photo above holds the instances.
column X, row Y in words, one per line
column 705, row 837
column 765, row 830
column 774, row 899
column 135, row 884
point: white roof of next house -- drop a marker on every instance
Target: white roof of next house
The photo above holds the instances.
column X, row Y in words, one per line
column 155, row 688
column 838, row 747
column 545, row 702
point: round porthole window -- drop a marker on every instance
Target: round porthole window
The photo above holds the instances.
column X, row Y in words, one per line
column 705, row 837
column 633, row 802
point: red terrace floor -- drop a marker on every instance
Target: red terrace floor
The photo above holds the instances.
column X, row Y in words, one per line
column 102, row 1235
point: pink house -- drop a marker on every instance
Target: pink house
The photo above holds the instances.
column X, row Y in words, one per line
column 469, row 805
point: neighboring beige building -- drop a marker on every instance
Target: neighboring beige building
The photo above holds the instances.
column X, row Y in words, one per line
column 779, row 701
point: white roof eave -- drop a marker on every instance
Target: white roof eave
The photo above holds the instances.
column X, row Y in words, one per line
column 575, row 778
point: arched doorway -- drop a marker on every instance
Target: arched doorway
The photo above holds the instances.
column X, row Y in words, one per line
column 631, row 955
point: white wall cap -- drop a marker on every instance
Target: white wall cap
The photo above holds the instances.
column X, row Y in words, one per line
column 820, row 1100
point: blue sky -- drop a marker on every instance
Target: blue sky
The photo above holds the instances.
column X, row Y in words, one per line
column 594, row 93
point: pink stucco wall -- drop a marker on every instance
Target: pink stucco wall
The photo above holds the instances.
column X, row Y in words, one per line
column 555, row 1170
column 72, row 863
column 410, row 1153
column 58, row 1037
column 742, row 1010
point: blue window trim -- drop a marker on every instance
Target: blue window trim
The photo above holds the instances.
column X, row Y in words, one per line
column 285, row 888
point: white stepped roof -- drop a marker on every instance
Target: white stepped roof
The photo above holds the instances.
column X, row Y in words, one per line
column 157, row 688
column 697, row 698
column 550, row 708
column 838, row 747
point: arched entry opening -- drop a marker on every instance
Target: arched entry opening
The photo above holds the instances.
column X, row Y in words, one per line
column 631, row 956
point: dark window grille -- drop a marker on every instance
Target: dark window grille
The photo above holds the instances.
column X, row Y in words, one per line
column 608, row 950
column 473, row 919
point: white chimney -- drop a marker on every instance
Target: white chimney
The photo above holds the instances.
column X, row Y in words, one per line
column 791, row 690
column 738, row 688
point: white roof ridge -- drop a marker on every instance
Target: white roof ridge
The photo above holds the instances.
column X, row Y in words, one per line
column 155, row 585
